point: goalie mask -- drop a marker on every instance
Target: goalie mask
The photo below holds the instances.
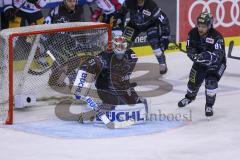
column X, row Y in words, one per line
column 119, row 44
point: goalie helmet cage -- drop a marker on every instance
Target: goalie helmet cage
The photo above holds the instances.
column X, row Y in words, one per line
column 17, row 44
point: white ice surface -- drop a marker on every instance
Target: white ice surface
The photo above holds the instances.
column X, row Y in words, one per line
column 217, row 139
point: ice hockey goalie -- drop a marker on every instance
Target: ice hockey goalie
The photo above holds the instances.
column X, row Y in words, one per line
column 112, row 70
column 110, row 73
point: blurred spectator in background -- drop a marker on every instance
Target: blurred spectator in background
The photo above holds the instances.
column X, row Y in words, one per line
column 19, row 13
column 67, row 11
column 3, row 22
column 105, row 10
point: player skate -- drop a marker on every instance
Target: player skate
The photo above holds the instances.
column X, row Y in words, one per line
column 184, row 102
column 208, row 111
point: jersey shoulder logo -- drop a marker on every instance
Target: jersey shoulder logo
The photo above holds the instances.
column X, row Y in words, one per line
column 146, row 12
column 210, row 40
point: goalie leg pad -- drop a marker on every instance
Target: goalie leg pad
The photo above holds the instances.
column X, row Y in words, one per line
column 137, row 112
column 82, row 83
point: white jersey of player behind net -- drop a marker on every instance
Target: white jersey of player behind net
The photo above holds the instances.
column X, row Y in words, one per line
column 25, row 6
column 106, row 5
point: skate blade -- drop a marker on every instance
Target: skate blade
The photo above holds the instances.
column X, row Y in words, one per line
column 209, row 118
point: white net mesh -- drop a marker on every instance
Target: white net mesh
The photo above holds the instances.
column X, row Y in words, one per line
column 45, row 59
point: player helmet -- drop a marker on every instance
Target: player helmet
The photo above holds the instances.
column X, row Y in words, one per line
column 206, row 19
column 119, row 44
column 140, row 2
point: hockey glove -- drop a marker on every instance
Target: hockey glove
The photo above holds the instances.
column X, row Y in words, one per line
column 192, row 56
column 9, row 14
column 206, row 58
column 32, row 1
column 164, row 42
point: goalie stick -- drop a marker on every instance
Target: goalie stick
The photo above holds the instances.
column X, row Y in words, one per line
column 103, row 117
column 35, row 43
column 99, row 113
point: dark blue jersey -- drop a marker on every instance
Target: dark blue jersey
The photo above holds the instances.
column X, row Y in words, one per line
column 212, row 42
column 113, row 73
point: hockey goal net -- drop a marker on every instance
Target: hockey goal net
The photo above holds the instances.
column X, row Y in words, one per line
column 30, row 55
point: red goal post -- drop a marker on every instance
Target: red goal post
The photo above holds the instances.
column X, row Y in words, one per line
column 12, row 77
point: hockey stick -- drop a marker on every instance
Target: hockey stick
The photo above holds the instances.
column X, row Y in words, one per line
column 40, row 72
column 230, row 49
column 179, row 46
column 29, row 61
column 231, row 45
column 104, row 118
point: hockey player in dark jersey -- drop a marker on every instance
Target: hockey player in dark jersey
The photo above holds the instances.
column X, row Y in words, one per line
column 111, row 72
column 146, row 16
column 206, row 48
column 67, row 11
